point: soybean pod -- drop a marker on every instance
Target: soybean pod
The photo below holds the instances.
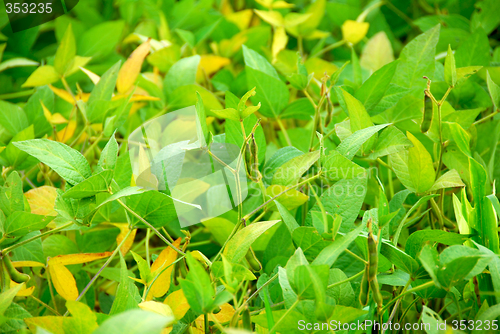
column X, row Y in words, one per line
column 372, row 254
column 427, row 115
column 15, row 275
column 364, row 289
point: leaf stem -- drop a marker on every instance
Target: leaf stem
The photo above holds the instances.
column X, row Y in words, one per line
column 415, row 289
column 346, row 280
column 151, row 227
column 24, row 242
column 272, row 330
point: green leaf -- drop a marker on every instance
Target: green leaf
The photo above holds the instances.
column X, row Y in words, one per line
column 309, row 240
column 65, row 52
column 330, row 253
column 402, row 260
column 240, row 243
column 83, row 319
column 463, row 73
column 104, row 89
column 287, row 217
column 109, row 156
column 291, row 171
column 6, row 299
column 474, row 51
column 91, row 186
column 450, row 69
column 459, row 135
column 14, row 156
column 20, row 223
column 450, row 179
column 155, row 207
column 422, row 173
column 390, row 140
column 417, row 239
column 290, row 200
column 127, row 295
column 351, row 145
column 271, row 92
column 135, row 322
column 17, row 62
column 279, row 158
column 375, row 86
column 430, row 261
column 399, row 164
column 201, row 123
column 494, row 90
column 344, row 198
column 337, row 167
column 70, row 164
column 181, row 73
column 343, row 294
column 144, row 269
column 310, row 281
column 197, row 287
column 100, row 40
column 44, row 75
column 12, row 118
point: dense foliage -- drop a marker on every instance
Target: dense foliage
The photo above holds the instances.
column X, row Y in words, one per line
column 364, row 140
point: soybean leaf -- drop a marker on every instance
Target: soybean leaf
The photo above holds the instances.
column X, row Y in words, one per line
column 91, row 186
column 240, row 243
column 416, row 240
column 450, row 69
column 135, row 322
column 351, row 145
column 20, row 223
column 70, row 164
column 291, row 171
column 330, row 253
column 449, row 179
column 420, row 166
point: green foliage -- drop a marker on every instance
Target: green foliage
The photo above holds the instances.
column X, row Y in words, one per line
column 357, row 142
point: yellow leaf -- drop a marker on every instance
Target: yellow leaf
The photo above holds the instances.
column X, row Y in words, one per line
column 54, row 119
column 132, row 67
column 92, row 76
column 224, row 315
column 282, row 4
column 77, row 258
column 319, row 66
column 317, row 34
column 18, row 264
column 67, row 133
column 63, row 94
column 178, row 303
column 294, row 19
column 279, row 41
column 145, row 179
column 241, row 19
column 157, row 307
column 209, row 64
column 123, row 232
column 42, row 200
column 63, row 281
column 162, row 283
column 23, row 292
column 136, row 98
column 273, row 18
column 354, row 31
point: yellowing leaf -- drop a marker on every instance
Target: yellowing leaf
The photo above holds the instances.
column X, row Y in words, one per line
column 178, row 303
column 279, row 41
column 273, row 18
column 18, row 264
column 77, row 258
column 23, row 292
column 162, row 283
column 377, row 52
column 319, row 67
column 52, row 324
column 209, row 64
column 354, row 31
column 92, row 76
column 224, row 315
column 42, row 200
column 241, row 19
column 63, row 94
column 67, row 133
column 54, row 119
column 123, row 232
column 132, row 67
column 157, row 307
column 42, row 76
column 63, row 281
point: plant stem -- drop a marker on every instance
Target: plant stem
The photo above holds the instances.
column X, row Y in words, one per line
column 45, row 305
column 328, row 48
column 283, row 129
column 346, row 280
column 151, row 227
column 16, row 94
column 281, row 193
column 415, row 289
column 272, row 330
column 108, row 261
column 356, row 256
column 8, row 249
